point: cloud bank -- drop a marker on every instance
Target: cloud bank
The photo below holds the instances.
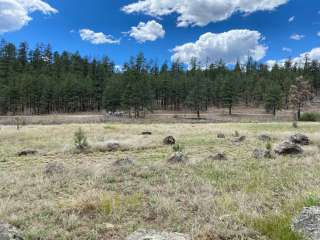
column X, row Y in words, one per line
column 201, row 12
column 15, row 14
column 228, row 46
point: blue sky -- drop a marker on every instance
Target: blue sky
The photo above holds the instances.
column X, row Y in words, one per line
column 266, row 32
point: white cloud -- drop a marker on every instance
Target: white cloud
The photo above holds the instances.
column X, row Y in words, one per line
column 314, row 54
column 297, row 37
column 291, row 19
column 228, row 46
column 201, row 12
column 149, row 31
column 97, row 37
column 15, row 14
column 285, row 49
column 318, row 34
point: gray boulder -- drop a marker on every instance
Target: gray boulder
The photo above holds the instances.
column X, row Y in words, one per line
column 177, row 157
column 126, row 161
column 286, row 148
column 54, row 168
column 113, row 146
column 218, row 157
column 264, row 137
column 8, row 232
column 154, row 235
column 300, row 139
column 261, row 153
column 170, row 140
column 27, row 152
column 221, row 135
column 308, row 223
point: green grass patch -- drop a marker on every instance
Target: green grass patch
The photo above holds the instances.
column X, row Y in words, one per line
column 276, row 227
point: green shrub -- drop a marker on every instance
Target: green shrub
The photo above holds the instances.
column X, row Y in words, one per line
column 312, row 200
column 295, row 125
column 310, row 117
column 177, row 148
column 269, row 146
column 80, row 139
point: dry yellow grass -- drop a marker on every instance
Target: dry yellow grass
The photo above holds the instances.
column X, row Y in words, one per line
column 240, row 198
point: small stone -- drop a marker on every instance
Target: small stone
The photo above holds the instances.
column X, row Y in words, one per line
column 262, row 153
column 146, row 133
column 54, row 168
column 308, row 223
column 154, row 235
column 300, row 139
column 126, row 161
column 27, row 152
column 221, row 135
column 219, row 157
column 287, row 147
column 113, row 146
column 8, row 232
column 238, row 140
column 264, row 137
column 170, row 140
column 177, row 157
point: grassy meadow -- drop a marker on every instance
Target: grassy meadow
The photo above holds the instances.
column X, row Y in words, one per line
column 238, row 198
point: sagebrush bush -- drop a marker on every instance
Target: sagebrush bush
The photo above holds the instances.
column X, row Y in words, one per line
column 310, row 117
column 177, row 148
column 268, row 146
column 80, row 139
column 295, row 125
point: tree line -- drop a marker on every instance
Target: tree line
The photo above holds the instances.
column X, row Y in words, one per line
column 40, row 81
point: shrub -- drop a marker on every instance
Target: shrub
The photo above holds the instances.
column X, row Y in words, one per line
column 310, row 117
column 177, row 148
column 269, row 146
column 80, row 140
column 312, row 200
column 295, row 125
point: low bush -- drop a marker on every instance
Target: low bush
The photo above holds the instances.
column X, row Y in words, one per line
column 310, row 117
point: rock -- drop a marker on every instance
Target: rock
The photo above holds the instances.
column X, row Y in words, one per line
column 54, row 168
column 308, row 223
column 236, row 134
column 170, row 140
column 27, row 152
column 146, row 133
column 219, row 157
column 8, row 232
column 113, row 146
column 262, row 153
column 238, row 140
column 221, row 135
column 177, row 157
column 264, row 137
column 300, row 139
column 126, row 161
column 154, row 235
column 287, row 147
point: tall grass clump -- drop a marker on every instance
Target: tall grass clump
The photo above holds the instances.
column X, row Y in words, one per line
column 80, row 140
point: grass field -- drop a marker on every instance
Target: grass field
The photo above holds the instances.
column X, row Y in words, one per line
column 239, row 198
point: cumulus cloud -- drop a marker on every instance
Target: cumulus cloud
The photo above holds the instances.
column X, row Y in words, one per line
column 149, row 31
column 314, row 54
column 291, row 19
column 97, row 37
column 201, row 12
column 14, row 14
column 227, row 46
column 285, row 49
column 297, row 37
